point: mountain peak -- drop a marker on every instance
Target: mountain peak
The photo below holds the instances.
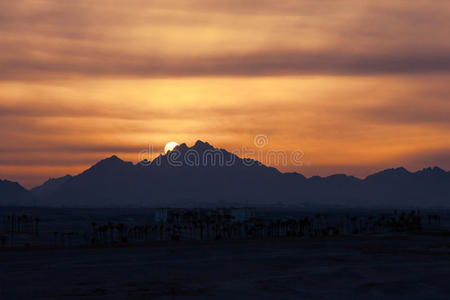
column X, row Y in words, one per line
column 6, row 181
column 389, row 173
column 200, row 145
column 401, row 170
column 113, row 157
column 436, row 169
column 111, row 163
column 394, row 171
column 52, row 179
column 431, row 171
column 182, row 147
column 13, row 194
column 51, row 185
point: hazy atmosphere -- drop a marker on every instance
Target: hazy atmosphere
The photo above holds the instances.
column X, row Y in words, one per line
column 358, row 86
column 224, row 149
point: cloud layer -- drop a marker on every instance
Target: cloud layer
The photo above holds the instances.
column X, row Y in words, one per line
column 356, row 85
column 54, row 39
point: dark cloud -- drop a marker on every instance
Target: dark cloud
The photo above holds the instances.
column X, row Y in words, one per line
column 279, row 63
column 81, row 109
column 413, row 111
column 48, row 39
column 54, row 161
column 76, row 148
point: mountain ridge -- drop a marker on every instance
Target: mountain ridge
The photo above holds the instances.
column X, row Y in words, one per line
column 13, row 194
column 113, row 182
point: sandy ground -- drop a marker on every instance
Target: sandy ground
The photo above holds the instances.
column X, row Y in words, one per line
column 376, row 267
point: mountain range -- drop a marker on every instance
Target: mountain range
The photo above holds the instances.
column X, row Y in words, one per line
column 204, row 176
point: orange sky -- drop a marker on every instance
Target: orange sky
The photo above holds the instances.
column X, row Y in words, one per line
column 358, row 86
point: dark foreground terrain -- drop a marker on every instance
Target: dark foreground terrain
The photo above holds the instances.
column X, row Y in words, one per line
column 359, row 267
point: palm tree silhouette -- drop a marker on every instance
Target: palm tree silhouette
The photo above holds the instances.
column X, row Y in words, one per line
column 120, row 229
column 4, row 239
column 36, row 226
column 94, row 233
column 110, row 227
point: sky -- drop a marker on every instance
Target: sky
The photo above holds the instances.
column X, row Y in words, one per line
column 356, row 86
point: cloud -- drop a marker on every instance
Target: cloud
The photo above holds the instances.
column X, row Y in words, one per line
column 277, row 63
column 408, row 112
column 158, row 39
column 77, row 148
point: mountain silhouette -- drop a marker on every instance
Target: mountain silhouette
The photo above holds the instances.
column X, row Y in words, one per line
column 185, row 176
column 50, row 186
column 13, row 194
column 205, row 176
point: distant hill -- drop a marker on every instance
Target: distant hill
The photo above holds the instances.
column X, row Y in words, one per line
column 13, row 194
column 49, row 187
column 202, row 175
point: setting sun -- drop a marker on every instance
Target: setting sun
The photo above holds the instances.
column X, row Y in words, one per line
column 170, row 146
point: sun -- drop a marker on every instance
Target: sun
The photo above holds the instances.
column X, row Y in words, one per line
column 170, row 146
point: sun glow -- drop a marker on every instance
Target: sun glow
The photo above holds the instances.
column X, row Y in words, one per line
column 170, row 146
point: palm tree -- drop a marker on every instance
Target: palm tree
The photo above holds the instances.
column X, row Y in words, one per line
column 354, row 225
column 103, row 230
column 19, row 225
column 4, row 239
column 55, row 235
column 110, row 227
column 36, row 226
column 120, row 229
column 161, row 231
column 12, row 229
column 94, row 233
